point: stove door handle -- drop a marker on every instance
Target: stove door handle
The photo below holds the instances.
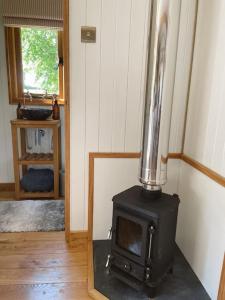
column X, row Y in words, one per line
column 151, row 232
column 109, row 236
column 108, row 261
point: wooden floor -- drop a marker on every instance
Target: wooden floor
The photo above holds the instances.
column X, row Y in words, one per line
column 41, row 266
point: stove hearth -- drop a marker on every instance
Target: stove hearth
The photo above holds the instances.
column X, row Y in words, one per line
column 143, row 237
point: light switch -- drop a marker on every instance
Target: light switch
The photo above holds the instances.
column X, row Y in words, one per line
column 88, row 34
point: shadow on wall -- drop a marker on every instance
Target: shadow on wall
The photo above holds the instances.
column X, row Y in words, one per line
column 207, row 41
column 201, row 226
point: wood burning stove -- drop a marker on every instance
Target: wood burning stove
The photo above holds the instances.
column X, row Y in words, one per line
column 144, row 218
column 143, row 237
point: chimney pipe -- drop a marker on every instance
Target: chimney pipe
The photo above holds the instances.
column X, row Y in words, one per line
column 158, row 108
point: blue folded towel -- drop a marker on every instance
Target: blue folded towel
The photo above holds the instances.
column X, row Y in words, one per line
column 38, row 180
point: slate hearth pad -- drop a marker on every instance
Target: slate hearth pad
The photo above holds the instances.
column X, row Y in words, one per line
column 183, row 284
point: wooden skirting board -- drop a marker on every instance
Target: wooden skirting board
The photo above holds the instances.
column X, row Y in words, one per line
column 7, row 187
column 75, row 235
column 7, row 191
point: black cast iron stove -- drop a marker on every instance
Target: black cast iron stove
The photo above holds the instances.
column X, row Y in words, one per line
column 143, row 237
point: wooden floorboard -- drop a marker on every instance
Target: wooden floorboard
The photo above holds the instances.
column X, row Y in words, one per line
column 68, row 291
column 32, row 236
column 43, row 275
column 39, row 266
column 22, row 261
column 36, row 247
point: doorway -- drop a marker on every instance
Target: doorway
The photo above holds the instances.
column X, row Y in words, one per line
column 7, row 186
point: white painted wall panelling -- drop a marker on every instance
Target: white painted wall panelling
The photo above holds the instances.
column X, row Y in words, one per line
column 183, row 67
column 136, row 75
column 107, row 70
column 121, row 56
column 108, row 80
column 205, row 132
column 103, row 75
column 201, row 226
column 77, row 110
column 201, row 221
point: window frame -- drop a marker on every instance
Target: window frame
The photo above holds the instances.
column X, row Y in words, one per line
column 15, row 70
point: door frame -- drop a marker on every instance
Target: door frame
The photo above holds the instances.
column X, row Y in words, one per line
column 67, row 115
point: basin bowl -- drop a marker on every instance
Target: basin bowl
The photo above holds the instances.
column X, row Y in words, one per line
column 36, row 113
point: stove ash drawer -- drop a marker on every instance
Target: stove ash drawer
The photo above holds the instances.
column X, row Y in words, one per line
column 128, row 267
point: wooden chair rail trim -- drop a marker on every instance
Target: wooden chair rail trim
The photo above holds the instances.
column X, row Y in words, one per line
column 126, row 155
column 203, row 169
column 92, row 155
column 197, row 165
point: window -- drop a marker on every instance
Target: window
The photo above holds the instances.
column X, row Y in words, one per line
column 35, row 64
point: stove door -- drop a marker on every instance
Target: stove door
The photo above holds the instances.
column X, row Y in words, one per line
column 130, row 236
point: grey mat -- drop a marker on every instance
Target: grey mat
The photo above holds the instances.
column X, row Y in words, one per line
column 31, row 215
column 183, row 284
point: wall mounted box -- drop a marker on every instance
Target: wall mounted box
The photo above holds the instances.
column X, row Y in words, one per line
column 88, row 34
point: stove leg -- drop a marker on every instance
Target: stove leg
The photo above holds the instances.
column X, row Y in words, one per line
column 151, row 292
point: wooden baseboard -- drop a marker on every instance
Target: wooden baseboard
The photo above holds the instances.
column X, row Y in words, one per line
column 7, row 187
column 76, row 235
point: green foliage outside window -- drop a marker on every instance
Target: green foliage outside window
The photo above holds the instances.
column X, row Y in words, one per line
column 40, row 60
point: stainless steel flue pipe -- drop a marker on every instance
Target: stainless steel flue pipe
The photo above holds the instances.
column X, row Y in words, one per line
column 158, row 107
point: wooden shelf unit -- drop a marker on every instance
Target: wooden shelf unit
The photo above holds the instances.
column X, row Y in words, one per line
column 37, row 158
column 22, row 158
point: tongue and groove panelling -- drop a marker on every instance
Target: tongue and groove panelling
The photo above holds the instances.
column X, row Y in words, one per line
column 108, row 86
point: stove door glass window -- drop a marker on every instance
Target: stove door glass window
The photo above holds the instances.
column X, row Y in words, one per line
column 129, row 236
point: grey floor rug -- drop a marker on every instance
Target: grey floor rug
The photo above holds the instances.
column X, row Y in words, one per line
column 31, row 215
